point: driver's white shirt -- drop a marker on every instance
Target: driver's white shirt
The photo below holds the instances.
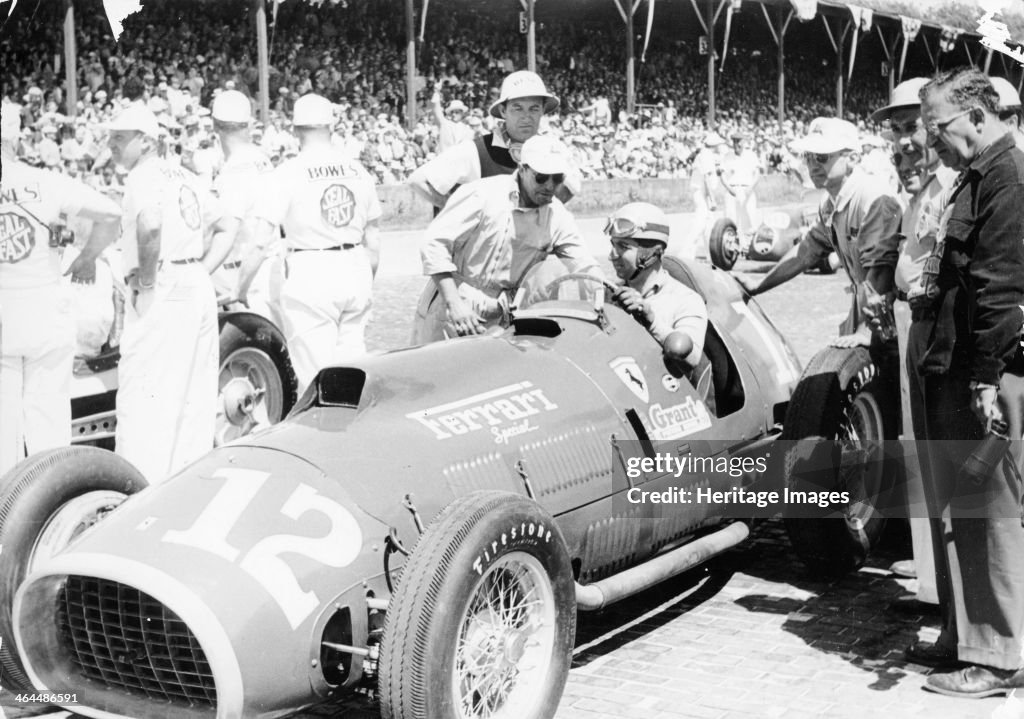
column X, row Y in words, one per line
column 676, row 308
column 486, row 239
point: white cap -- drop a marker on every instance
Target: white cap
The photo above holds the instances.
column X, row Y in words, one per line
column 1009, row 98
column 312, row 110
column 231, row 106
column 456, row 106
column 524, row 84
column 904, row 95
column 135, row 118
column 713, row 139
column 545, row 155
column 828, row 135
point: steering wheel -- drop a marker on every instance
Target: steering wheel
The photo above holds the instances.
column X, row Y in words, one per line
column 553, row 285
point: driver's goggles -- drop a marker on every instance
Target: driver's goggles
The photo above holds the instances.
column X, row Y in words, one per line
column 625, row 227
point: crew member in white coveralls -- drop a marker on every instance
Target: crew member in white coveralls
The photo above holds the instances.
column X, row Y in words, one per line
column 238, row 187
column 37, row 332
column 167, row 376
column 327, row 204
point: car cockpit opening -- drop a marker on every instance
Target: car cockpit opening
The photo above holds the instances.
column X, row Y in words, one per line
column 340, row 387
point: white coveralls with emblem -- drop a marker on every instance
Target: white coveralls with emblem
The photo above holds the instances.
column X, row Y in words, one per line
column 37, row 332
column 167, row 376
column 327, row 205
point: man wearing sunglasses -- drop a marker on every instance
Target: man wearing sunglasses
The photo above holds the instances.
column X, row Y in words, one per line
column 675, row 315
column 973, row 370
column 858, row 219
column 480, row 247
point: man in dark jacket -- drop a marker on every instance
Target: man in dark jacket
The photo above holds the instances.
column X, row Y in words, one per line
column 971, row 316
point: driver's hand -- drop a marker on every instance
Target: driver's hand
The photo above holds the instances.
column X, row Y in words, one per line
column 462, row 317
column 633, row 302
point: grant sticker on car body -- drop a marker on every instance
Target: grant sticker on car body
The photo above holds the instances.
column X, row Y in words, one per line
column 503, row 412
column 627, row 370
column 679, row 420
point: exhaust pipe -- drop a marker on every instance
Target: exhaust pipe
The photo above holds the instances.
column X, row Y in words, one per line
column 598, row 595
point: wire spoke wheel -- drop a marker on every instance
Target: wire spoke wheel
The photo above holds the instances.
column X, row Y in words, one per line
column 503, row 652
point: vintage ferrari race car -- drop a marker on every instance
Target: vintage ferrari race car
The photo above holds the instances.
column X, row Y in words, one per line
column 425, row 524
column 779, row 230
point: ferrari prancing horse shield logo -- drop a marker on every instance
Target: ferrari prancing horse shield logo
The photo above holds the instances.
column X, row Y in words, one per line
column 337, row 205
column 628, row 370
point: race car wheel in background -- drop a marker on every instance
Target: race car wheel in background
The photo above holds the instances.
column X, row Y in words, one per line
column 257, row 383
column 724, row 244
column 844, row 410
column 483, row 620
column 45, row 503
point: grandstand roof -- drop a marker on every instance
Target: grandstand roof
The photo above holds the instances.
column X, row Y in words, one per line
column 961, row 14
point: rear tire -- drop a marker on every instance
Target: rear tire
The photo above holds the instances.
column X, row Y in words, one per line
column 483, row 620
column 255, row 371
column 844, row 406
column 723, row 244
column 46, row 502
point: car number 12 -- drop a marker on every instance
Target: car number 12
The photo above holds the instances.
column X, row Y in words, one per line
column 263, row 562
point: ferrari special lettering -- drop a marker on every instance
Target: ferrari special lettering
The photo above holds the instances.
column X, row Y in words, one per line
column 263, row 561
column 504, row 411
column 679, row 420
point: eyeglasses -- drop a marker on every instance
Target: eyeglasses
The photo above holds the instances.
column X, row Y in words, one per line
column 820, row 158
column 934, row 127
column 625, row 227
column 542, row 178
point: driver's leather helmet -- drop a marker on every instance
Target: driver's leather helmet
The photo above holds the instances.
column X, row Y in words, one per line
column 643, row 223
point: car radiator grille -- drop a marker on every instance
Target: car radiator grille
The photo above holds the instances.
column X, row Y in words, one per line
column 128, row 640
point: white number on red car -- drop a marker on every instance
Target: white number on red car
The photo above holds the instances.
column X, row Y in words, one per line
column 263, row 562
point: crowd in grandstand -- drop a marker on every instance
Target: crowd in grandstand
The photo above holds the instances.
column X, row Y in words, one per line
column 177, row 55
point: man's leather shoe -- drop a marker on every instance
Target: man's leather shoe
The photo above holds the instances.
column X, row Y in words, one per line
column 976, row 682
column 931, row 655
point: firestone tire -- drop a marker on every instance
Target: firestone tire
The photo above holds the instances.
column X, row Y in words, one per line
column 842, row 404
column 723, row 244
column 483, row 620
column 46, row 501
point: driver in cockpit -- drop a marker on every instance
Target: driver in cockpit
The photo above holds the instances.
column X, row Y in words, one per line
column 675, row 315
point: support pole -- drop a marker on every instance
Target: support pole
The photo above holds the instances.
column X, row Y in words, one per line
column 264, row 61
column 840, row 42
column 709, row 21
column 630, row 61
column 410, row 64
column 781, row 59
column 70, row 59
column 988, row 60
column 531, row 38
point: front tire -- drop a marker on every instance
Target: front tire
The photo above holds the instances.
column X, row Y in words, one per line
column 845, row 409
column 483, row 620
column 46, row 502
column 724, row 244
